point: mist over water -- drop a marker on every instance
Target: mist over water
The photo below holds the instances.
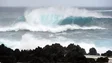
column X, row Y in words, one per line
column 27, row 29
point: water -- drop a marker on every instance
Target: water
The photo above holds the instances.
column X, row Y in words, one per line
column 27, row 28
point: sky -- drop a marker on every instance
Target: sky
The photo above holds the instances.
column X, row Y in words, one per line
column 37, row 3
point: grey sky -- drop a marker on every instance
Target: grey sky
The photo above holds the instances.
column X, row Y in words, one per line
column 35, row 3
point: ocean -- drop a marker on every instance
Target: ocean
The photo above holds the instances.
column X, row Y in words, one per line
column 28, row 28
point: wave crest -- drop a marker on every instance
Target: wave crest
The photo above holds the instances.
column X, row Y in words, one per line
column 53, row 16
column 53, row 19
column 26, row 26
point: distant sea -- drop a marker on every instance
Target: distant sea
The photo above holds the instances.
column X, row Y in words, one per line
column 27, row 28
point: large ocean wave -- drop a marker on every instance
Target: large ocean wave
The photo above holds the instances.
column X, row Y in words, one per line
column 53, row 19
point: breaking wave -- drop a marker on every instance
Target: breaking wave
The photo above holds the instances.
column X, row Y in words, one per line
column 53, row 19
column 24, row 26
column 28, row 41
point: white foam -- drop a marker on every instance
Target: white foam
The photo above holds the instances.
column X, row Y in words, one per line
column 53, row 15
column 28, row 41
column 26, row 26
column 47, row 19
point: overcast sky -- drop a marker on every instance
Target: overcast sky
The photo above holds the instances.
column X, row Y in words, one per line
column 36, row 3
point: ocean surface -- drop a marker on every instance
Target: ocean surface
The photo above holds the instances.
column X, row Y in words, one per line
column 28, row 28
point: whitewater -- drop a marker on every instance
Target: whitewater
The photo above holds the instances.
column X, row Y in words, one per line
column 32, row 27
